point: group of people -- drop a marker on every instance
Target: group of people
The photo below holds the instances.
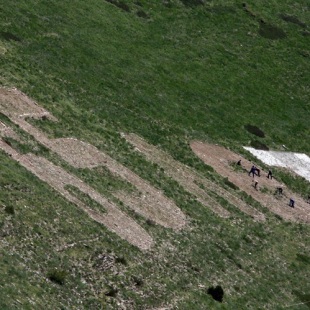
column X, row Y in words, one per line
column 254, row 171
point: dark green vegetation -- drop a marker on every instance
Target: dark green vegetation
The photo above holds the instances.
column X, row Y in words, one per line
column 170, row 71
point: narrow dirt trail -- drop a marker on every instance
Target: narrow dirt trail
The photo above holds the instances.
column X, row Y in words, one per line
column 220, row 159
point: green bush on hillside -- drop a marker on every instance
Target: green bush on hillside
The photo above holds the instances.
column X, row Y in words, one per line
column 57, row 276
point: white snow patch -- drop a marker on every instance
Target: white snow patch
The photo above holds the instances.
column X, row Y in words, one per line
column 298, row 162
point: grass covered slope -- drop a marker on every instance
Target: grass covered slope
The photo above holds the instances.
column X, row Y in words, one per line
column 198, row 67
column 169, row 71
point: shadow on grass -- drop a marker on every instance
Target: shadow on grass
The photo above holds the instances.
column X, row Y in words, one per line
column 254, row 130
column 121, row 5
column 259, row 145
column 192, row 3
column 304, row 298
column 271, row 32
column 293, row 20
column 8, row 36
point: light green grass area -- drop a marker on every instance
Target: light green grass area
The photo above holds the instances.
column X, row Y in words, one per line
column 170, row 71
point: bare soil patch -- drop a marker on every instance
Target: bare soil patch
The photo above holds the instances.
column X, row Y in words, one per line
column 189, row 180
column 56, row 177
column 221, row 159
column 146, row 200
column 15, row 104
column 6, row 131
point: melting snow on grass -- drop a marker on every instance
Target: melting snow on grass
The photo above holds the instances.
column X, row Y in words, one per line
column 298, row 162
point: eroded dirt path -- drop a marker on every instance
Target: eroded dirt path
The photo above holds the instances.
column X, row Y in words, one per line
column 220, row 159
column 146, row 200
column 56, row 177
column 189, row 179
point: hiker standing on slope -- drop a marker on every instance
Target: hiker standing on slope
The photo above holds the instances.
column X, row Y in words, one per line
column 255, row 183
column 253, row 169
column 292, row 203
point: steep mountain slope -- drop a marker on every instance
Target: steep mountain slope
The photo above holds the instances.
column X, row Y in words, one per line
column 88, row 219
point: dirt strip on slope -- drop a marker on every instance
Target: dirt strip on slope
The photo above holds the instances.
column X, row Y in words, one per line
column 189, row 179
column 149, row 202
column 6, row 131
column 115, row 220
column 221, row 158
column 146, row 200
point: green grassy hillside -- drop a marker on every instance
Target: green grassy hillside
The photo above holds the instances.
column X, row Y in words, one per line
column 170, row 71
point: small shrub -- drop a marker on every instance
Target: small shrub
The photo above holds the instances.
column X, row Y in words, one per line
column 150, row 222
column 9, row 36
column 306, row 33
column 121, row 260
column 304, row 53
column 217, row 293
column 123, row 6
column 9, row 210
column 304, row 298
column 57, row 276
column 303, row 258
column 192, row 267
column 255, row 130
column 112, row 292
column 7, row 141
column 142, row 14
column 278, row 217
column 137, row 281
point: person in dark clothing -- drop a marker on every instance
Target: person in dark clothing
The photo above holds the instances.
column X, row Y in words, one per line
column 292, row 203
column 253, row 169
column 269, row 174
column 279, row 190
column 239, row 162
